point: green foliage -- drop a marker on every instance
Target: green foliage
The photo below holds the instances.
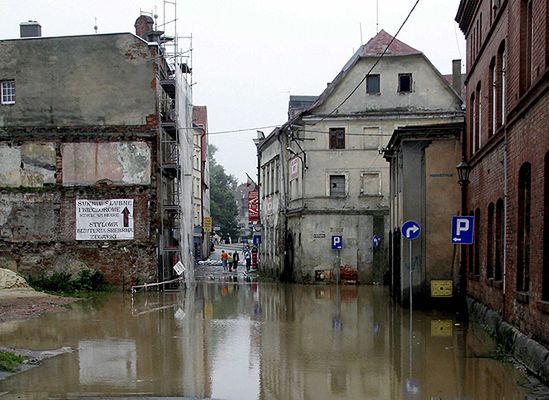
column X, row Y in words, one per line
column 10, row 362
column 61, row 283
column 223, row 207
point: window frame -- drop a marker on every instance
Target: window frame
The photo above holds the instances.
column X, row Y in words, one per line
column 378, row 84
column 524, row 231
column 3, row 88
column 334, row 141
column 411, row 82
column 334, row 175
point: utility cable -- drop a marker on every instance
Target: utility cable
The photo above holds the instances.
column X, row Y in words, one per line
column 372, row 68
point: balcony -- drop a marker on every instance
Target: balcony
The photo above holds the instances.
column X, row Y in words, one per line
column 169, row 87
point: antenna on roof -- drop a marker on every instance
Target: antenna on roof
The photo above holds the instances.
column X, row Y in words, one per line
column 361, row 42
column 95, row 26
column 377, row 17
column 155, row 16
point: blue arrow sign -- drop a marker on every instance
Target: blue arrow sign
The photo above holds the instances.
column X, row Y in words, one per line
column 463, row 228
column 337, row 242
column 411, row 230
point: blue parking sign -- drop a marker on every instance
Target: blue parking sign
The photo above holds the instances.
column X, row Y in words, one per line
column 337, row 242
column 463, row 229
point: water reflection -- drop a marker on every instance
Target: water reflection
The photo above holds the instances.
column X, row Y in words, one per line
column 234, row 340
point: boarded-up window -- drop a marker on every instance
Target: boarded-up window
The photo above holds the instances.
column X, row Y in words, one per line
column 337, row 138
column 371, row 138
column 370, row 184
column 337, row 185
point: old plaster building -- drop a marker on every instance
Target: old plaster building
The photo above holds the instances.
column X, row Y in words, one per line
column 322, row 173
column 507, row 149
column 201, row 182
column 92, row 154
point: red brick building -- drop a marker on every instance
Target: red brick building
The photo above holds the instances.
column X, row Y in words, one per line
column 507, row 148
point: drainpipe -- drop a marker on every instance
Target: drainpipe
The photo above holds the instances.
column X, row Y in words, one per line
column 505, row 193
column 284, row 196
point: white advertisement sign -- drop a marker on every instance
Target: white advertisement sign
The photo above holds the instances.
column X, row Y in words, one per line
column 294, row 168
column 104, row 219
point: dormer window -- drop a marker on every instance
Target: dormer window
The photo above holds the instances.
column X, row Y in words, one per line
column 404, row 83
column 7, row 95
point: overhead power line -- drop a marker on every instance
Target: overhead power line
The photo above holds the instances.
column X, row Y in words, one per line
column 373, row 66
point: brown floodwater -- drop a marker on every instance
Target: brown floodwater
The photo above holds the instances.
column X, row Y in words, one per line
column 257, row 341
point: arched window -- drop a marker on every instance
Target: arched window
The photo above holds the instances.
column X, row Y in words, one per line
column 490, row 242
column 473, row 124
column 492, row 103
column 476, row 244
column 500, row 231
column 501, row 84
column 545, row 292
column 523, row 228
column 478, row 117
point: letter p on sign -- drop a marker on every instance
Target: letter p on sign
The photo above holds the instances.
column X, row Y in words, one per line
column 463, row 229
column 337, row 242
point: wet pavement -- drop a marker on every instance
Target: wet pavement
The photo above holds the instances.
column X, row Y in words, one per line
column 231, row 337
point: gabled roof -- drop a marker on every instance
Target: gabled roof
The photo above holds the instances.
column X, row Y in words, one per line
column 377, row 45
column 200, row 116
column 374, row 48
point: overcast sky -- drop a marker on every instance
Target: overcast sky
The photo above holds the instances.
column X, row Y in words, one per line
column 250, row 55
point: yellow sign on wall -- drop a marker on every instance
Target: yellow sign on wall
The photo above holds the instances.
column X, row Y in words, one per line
column 442, row 288
column 207, row 224
column 442, row 328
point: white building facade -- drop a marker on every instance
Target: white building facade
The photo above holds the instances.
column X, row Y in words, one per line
column 333, row 181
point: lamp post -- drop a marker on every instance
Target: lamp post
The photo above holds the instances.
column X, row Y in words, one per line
column 463, row 170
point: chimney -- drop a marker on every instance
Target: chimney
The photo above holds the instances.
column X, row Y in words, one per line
column 456, row 76
column 143, row 25
column 30, row 29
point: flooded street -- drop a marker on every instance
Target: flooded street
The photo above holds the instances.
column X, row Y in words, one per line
column 247, row 340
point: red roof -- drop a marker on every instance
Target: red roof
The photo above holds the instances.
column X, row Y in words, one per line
column 200, row 116
column 379, row 43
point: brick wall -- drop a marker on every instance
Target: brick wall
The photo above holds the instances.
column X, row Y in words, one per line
column 527, row 141
column 37, row 223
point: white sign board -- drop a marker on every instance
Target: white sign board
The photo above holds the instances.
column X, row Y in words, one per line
column 104, row 219
column 179, row 268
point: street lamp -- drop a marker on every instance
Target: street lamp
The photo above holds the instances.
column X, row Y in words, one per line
column 463, row 170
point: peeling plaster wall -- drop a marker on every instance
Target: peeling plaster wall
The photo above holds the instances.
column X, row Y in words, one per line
column 25, row 216
column 121, row 163
column 81, row 80
column 28, row 165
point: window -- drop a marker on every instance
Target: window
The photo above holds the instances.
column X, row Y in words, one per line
column 523, row 228
column 490, row 241
column 372, row 84
column 371, row 138
column 472, row 108
column 337, row 138
column 493, row 98
column 370, row 184
column 337, row 185
column 500, row 87
column 526, row 37
column 476, row 244
column 404, row 83
column 476, row 115
column 545, row 290
column 8, row 92
column 500, row 231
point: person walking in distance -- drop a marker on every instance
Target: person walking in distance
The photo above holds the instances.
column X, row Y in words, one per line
column 224, row 258
column 248, row 257
column 236, row 258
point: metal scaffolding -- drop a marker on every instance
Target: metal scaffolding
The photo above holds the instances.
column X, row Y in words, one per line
column 171, row 240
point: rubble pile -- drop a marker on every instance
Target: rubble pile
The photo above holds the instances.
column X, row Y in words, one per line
column 10, row 280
